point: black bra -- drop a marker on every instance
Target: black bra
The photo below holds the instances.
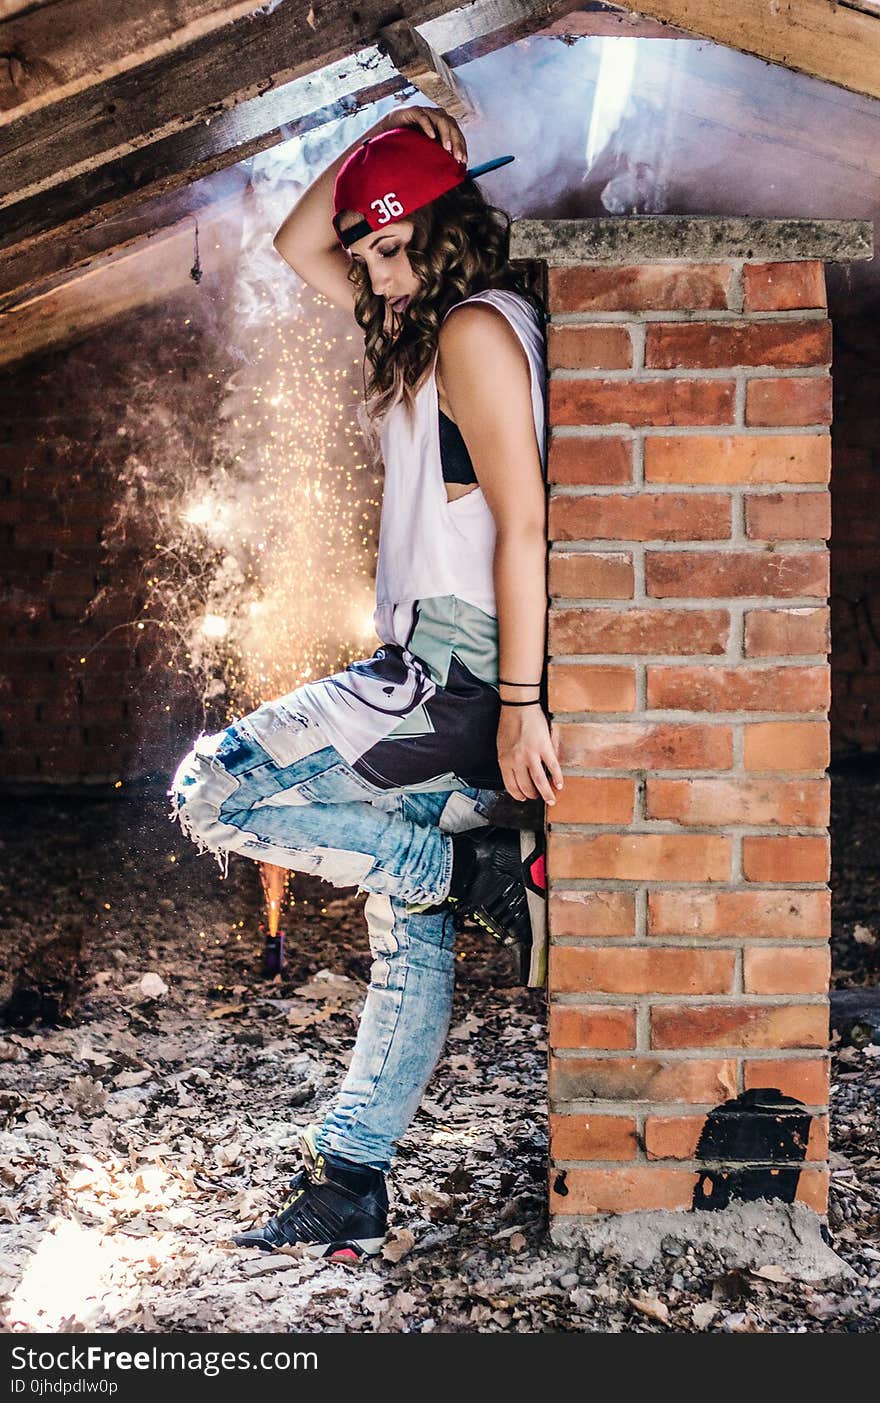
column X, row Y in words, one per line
column 454, row 457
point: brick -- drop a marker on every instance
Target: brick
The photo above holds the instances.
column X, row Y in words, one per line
column 712, row 345
column 786, row 971
column 592, row 1137
column 750, row 915
column 579, row 687
column 697, row 1081
column 628, row 969
column 784, row 287
column 817, row 1144
column 586, row 800
column 787, row 632
column 601, row 914
column 640, row 403
column 595, row 462
column 711, row 458
column 727, row 574
column 588, row 348
column 741, row 1025
column 777, row 746
column 643, row 287
column 107, row 709
column 789, row 516
column 592, row 1025
column 812, row 1189
column 805, row 1078
column 678, row 1137
column 639, row 631
column 624, row 1190
column 786, row 859
column 59, row 535
column 739, row 688
column 792, row 803
column 641, row 857
column 673, row 1137
column 591, row 575
column 641, row 516
column 797, row 400
column 630, row 745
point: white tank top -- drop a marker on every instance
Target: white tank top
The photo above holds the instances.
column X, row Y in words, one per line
column 422, row 712
column 428, row 545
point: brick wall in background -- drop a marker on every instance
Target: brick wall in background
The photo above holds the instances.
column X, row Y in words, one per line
column 64, row 434
column 855, row 540
column 689, row 404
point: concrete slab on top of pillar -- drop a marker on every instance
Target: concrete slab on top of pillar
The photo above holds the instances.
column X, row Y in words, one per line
column 670, row 238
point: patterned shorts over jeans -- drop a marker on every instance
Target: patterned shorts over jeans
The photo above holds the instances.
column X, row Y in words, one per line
column 269, row 786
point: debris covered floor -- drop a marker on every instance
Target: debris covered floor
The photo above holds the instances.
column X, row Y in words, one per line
column 153, row 1081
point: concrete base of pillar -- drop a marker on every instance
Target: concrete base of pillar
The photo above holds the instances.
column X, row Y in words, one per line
column 745, row 1235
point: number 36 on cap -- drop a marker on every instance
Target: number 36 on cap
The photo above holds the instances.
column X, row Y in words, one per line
column 389, row 207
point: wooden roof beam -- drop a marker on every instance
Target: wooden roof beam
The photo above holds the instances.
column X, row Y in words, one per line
column 192, row 86
column 139, row 276
column 53, row 48
column 423, row 67
column 839, row 43
column 65, row 210
column 45, row 262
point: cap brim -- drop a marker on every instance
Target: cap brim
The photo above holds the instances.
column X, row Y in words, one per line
column 476, row 171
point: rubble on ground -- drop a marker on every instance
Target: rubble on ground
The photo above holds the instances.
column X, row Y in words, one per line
column 153, row 1081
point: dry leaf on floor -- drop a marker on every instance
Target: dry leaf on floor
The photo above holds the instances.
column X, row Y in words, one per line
column 398, row 1245
column 772, row 1272
column 652, row 1307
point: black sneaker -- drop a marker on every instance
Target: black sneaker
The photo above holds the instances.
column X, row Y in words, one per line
column 499, row 883
column 335, row 1209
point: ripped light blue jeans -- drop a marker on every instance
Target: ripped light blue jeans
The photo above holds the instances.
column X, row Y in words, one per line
column 270, row 787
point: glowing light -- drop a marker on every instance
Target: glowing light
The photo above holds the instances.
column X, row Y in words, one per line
column 364, row 623
column 199, row 514
column 263, row 527
column 63, row 1278
column 215, row 626
column 613, row 86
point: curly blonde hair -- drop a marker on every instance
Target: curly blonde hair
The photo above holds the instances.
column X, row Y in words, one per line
column 459, row 246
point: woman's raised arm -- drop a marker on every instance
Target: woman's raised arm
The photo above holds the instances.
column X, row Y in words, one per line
column 306, row 239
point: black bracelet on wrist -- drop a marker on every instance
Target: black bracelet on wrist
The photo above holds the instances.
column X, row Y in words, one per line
column 536, row 702
column 503, row 683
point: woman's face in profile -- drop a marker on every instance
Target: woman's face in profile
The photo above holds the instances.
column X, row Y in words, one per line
column 384, row 255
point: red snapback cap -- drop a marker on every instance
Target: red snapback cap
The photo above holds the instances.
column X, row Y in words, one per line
column 394, row 173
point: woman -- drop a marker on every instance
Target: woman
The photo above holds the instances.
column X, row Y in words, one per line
column 385, row 776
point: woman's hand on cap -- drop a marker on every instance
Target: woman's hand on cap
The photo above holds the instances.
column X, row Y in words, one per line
column 435, row 122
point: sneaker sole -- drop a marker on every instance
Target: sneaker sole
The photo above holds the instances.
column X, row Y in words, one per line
column 534, row 972
column 352, row 1250
column 532, row 968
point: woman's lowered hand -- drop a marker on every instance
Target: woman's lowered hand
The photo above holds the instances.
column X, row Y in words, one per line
column 526, row 754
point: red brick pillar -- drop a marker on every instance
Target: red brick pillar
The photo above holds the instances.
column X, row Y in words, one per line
column 688, row 855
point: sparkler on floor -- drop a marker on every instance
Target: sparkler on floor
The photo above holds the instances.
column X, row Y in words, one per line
column 274, row 881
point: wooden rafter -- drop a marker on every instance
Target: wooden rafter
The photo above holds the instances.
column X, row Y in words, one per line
column 422, row 66
column 45, row 56
column 136, row 277
column 60, row 214
column 57, row 256
column 196, row 84
column 837, row 42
